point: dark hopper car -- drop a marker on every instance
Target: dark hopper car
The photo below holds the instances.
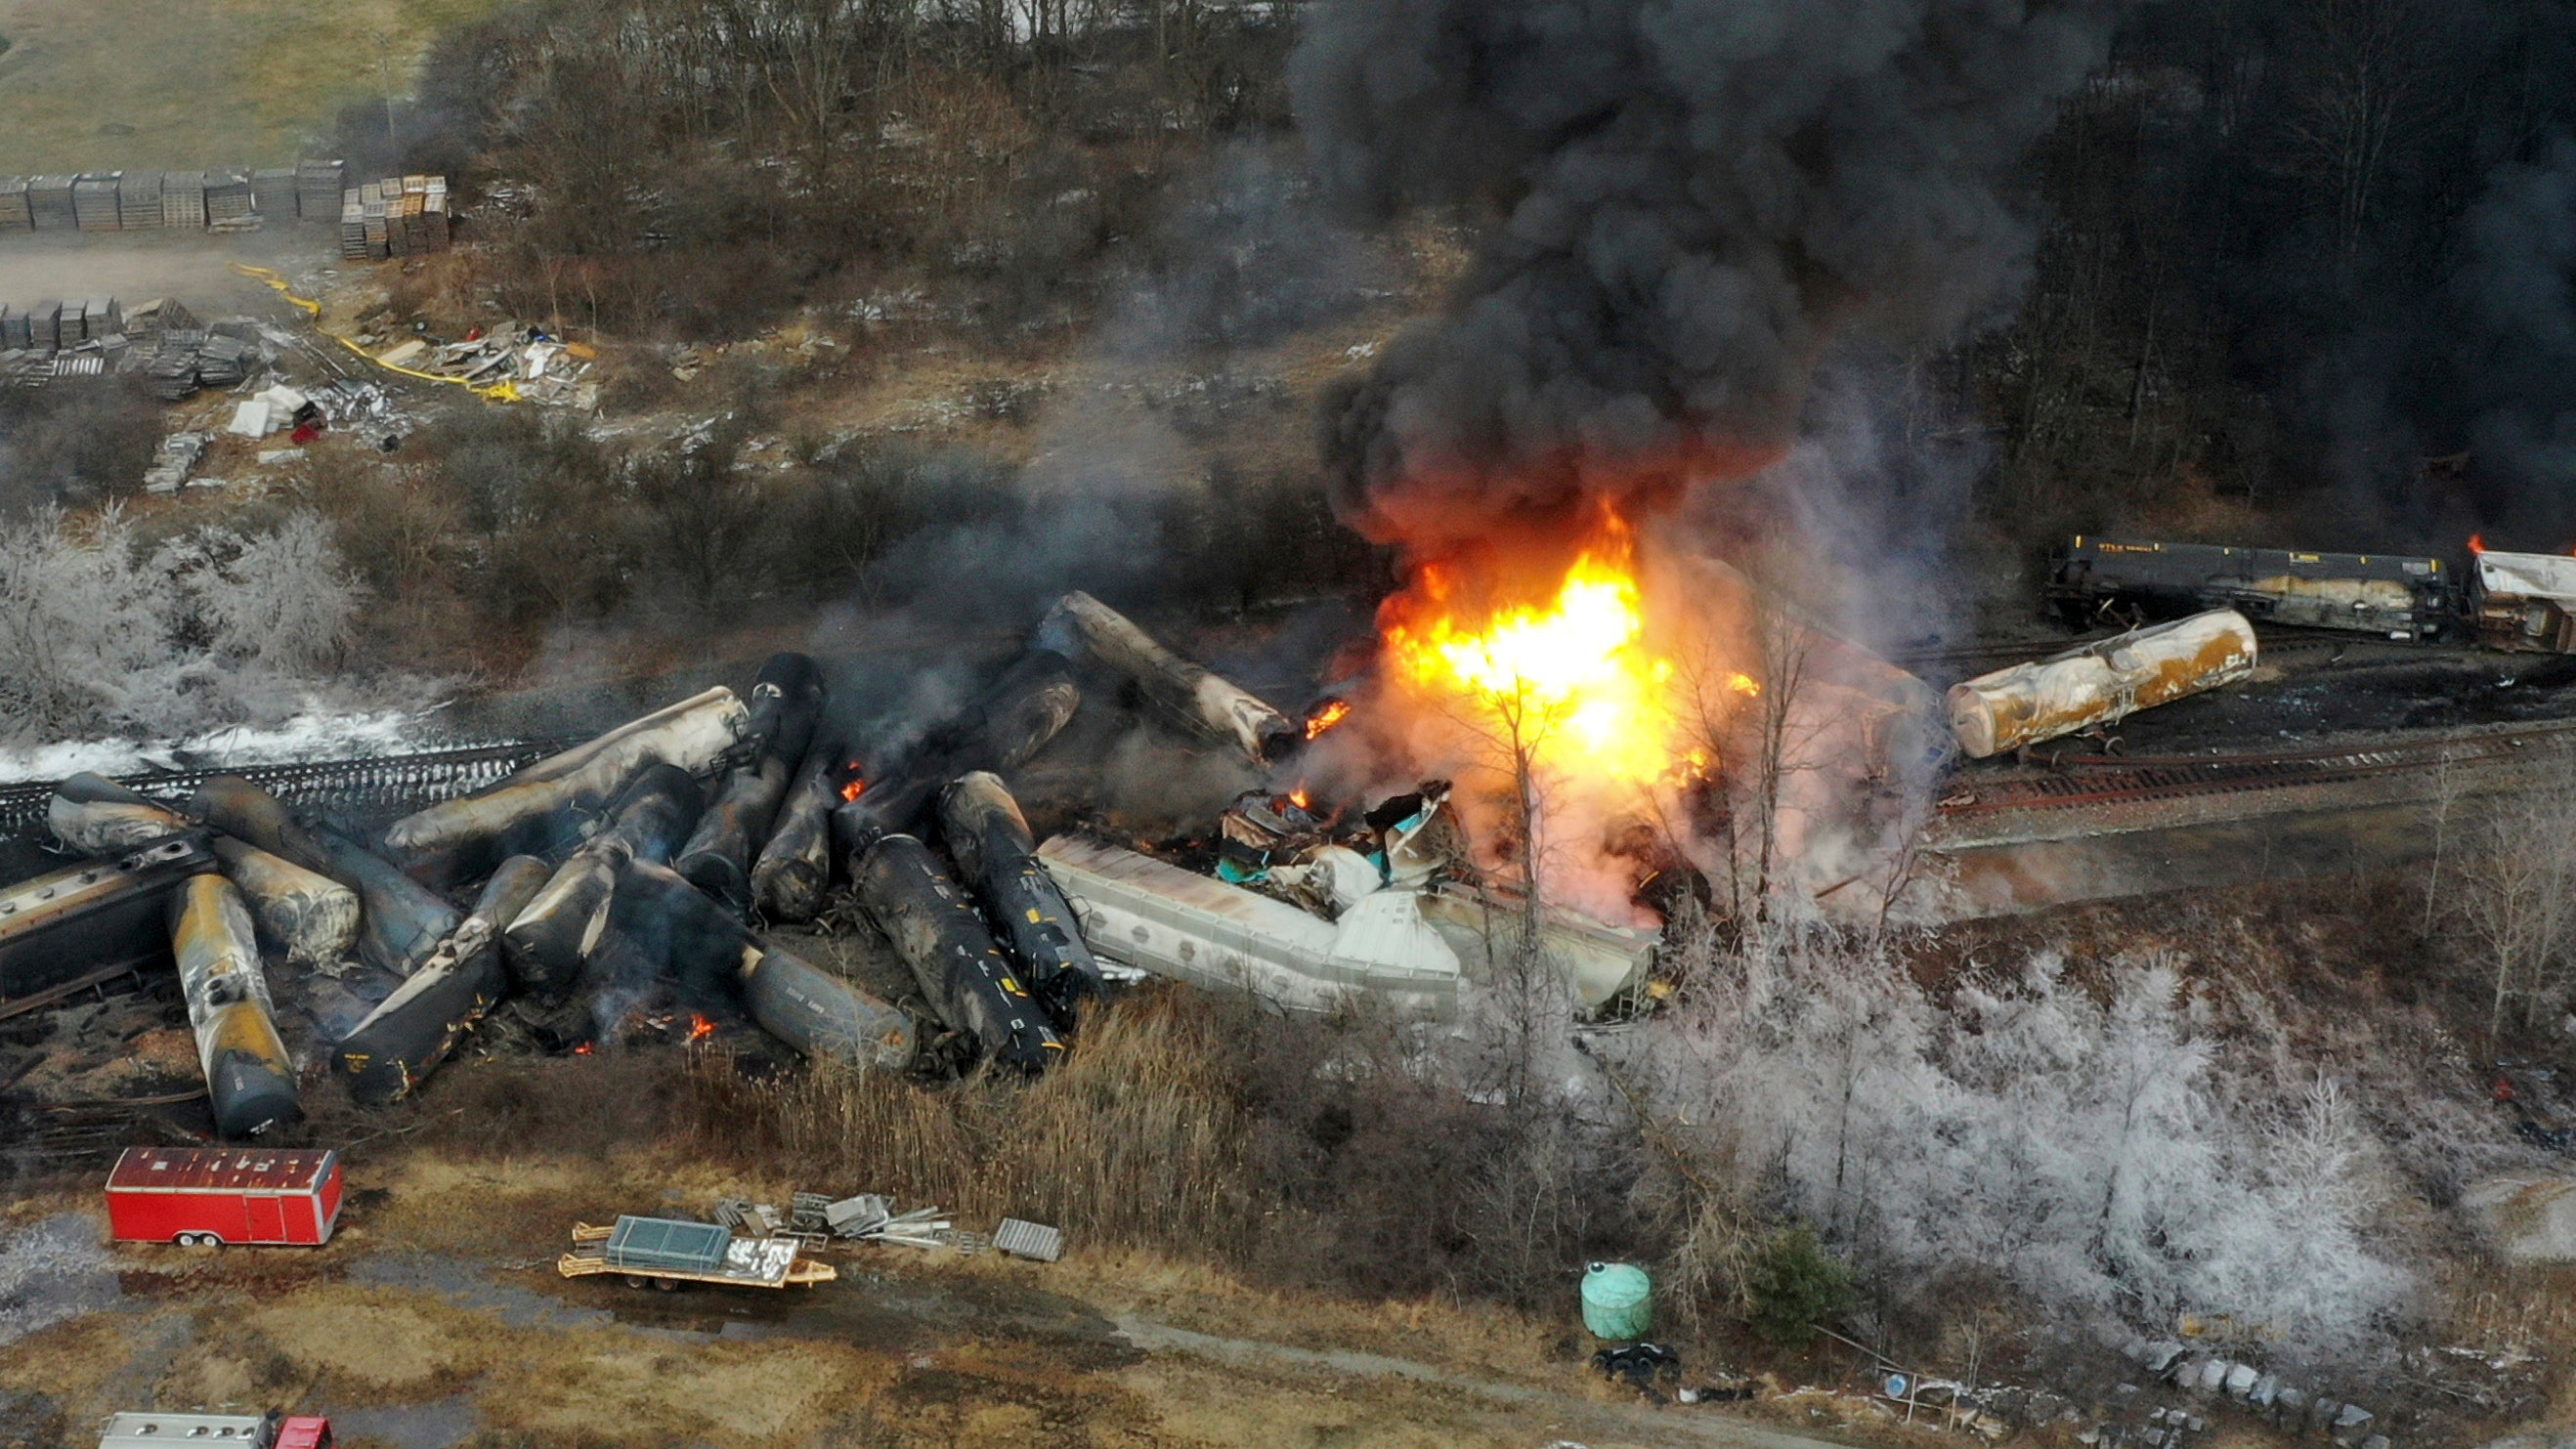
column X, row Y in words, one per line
column 2097, row 581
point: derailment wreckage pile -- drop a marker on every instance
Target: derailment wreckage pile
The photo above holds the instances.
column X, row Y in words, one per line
column 644, row 861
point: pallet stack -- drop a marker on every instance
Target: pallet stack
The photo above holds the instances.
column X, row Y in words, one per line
column 94, row 200
column 183, row 198
column 227, row 196
column 13, row 328
column 14, row 215
column 317, row 188
column 272, row 192
column 138, row 201
column 49, row 202
column 353, row 224
column 101, row 318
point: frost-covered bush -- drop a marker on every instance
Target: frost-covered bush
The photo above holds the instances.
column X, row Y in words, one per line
column 98, row 638
column 2094, row 1151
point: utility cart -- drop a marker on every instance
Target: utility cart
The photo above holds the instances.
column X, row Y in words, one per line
column 665, row 1253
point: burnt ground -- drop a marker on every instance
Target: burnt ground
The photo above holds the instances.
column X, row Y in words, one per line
column 435, row 1319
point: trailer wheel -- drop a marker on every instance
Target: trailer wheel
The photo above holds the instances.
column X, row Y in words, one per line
column 635, row 1280
column 667, row 1285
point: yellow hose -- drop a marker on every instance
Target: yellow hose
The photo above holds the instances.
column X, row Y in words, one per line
column 493, row 392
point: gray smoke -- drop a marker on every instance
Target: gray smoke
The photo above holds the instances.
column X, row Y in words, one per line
column 1694, row 198
column 2517, row 290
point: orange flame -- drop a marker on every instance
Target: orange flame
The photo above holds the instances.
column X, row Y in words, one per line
column 1578, row 664
column 1297, row 797
column 583, row 1050
column 1745, row 684
column 1333, row 712
column 2477, row 543
column 856, row 788
column 700, row 1028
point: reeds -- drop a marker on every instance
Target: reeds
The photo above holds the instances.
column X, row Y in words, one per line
column 1138, row 1139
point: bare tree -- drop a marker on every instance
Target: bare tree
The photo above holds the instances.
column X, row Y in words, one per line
column 2364, row 62
column 2516, row 901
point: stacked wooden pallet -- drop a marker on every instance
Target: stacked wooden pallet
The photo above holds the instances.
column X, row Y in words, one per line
column 138, row 201
column 353, row 224
column 94, row 200
column 227, row 196
column 183, row 198
column 49, row 202
column 272, row 192
column 317, row 188
column 14, row 215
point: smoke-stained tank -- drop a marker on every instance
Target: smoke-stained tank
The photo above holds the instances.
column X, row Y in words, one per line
column 314, row 917
column 795, row 866
column 1185, row 690
column 460, row 838
column 405, row 1038
column 801, row 1004
column 1006, row 725
column 786, row 701
column 989, row 839
column 98, row 916
column 952, row 957
column 401, row 920
column 249, row 1077
column 2100, row 682
column 93, row 813
column 547, row 943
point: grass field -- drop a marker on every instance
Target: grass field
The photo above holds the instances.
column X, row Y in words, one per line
column 200, row 83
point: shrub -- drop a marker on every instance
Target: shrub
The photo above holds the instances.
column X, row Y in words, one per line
column 1795, row 1286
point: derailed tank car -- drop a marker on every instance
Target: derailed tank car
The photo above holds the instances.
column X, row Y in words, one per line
column 2100, row 683
column 2393, row 595
column 2525, row 601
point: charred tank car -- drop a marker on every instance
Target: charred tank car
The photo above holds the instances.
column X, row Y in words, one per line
column 2094, row 581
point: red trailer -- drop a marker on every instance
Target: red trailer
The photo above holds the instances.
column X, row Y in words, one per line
column 224, row 1195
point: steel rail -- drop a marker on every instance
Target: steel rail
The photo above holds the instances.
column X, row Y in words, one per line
column 384, row 784
column 2111, row 779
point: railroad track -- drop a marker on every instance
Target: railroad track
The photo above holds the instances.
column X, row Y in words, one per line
column 2112, row 779
column 341, row 791
column 1971, row 660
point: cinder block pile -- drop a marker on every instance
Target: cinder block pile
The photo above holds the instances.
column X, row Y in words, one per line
column 413, row 216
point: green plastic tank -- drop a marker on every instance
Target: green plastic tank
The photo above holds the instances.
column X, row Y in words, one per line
column 1618, row 1302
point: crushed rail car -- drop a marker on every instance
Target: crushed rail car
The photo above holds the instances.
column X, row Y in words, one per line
column 1151, row 916
column 2100, row 683
column 2394, row 595
column 666, row 1253
column 2524, row 601
column 98, row 918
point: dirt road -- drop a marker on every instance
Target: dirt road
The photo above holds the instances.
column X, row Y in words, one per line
column 436, row 1320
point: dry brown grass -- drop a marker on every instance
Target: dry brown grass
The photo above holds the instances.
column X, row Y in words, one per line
column 1136, row 1140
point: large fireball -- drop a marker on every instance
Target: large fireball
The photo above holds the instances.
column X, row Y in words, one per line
column 1574, row 672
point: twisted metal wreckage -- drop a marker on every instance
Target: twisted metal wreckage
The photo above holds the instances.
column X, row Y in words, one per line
column 671, row 837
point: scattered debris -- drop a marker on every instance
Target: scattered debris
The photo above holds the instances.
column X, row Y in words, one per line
column 1034, row 1241
column 1641, row 1364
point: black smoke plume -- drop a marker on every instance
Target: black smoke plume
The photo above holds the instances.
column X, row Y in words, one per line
column 1692, row 199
